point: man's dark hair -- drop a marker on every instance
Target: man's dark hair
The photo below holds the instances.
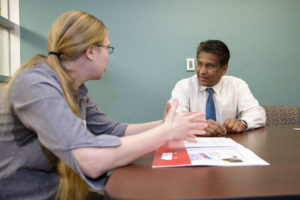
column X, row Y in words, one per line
column 216, row 47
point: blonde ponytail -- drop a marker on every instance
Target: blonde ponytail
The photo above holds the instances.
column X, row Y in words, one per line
column 71, row 186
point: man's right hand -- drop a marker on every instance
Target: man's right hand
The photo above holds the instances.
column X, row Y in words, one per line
column 214, row 129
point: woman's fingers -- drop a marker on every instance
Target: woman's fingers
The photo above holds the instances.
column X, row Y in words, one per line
column 193, row 134
column 186, row 126
column 202, row 121
column 167, row 109
column 172, row 111
column 197, row 124
column 198, row 132
column 195, row 116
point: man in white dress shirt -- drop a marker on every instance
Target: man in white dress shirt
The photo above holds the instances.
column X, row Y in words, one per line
column 236, row 109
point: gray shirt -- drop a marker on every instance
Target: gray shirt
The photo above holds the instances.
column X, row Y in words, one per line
column 40, row 128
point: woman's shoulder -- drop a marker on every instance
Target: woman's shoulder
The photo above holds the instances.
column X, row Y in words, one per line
column 39, row 76
column 41, row 72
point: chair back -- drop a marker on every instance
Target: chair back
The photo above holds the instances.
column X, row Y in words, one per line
column 282, row 114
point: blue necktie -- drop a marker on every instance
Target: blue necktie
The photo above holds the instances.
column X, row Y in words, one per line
column 210, row 106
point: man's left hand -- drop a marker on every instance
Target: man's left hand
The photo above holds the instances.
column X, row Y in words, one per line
column 234, row 125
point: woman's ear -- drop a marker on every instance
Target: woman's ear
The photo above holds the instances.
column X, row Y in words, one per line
column 90, row 53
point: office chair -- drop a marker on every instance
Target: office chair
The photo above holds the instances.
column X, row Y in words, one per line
column 282, row 114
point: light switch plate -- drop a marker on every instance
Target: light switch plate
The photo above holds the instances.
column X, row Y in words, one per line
column 190, row 64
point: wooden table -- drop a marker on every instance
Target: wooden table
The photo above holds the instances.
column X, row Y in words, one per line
column 278, row 145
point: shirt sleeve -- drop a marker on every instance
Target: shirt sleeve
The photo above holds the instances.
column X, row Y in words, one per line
column 99, row 123
column 249, row 108
column 38, row 101
column 180, row 92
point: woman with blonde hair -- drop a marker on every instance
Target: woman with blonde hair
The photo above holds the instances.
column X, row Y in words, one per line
column 55, row 142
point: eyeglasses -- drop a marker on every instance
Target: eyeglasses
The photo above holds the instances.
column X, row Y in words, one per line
column 110, row 49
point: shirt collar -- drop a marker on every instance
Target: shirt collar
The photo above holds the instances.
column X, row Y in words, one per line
column 83, row 91
column 216, row 87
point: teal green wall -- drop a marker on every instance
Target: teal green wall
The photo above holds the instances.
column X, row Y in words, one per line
column 154, row 37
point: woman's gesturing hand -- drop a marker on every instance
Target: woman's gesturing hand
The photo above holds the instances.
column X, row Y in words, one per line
column 183, row 126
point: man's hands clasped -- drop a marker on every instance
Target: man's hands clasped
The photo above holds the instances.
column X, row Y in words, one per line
column 231, row 125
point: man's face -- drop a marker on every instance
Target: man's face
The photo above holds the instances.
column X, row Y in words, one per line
column 209, row 70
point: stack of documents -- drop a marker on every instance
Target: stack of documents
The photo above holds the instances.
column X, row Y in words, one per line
column 205, row 151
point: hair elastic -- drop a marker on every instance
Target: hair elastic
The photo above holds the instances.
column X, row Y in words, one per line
column 55, row 53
